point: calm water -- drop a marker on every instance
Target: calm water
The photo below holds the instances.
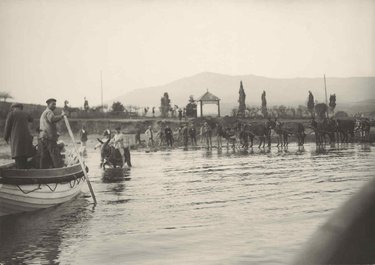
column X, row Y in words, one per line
column 193, row 207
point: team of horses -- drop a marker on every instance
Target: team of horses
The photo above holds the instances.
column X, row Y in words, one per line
column 332, row 131
column 243, row 135
column 327, row 131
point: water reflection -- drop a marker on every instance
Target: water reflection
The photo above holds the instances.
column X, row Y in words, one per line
column 111, row 175
column 365, row 147
column 184, row 204
column 36, row 237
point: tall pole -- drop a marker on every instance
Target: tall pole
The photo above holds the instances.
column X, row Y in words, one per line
column 325, row 89
column 101, row 89
column 80, row 159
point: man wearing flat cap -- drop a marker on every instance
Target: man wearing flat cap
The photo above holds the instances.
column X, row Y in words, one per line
column 49, row 151
column 17, row 133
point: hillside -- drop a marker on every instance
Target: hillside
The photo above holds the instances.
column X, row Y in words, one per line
column 290, row 92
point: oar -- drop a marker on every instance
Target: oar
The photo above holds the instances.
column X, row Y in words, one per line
column 79, row 158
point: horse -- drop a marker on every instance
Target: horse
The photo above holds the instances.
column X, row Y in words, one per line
column 262, row 131
column 327, row 127
column 230, row 136
column 346, row 128
column 286, row 129
column 111, row 157
column 363, row 126
column 244, row 136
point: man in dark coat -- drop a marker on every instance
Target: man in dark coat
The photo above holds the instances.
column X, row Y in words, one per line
column 49, row 150
column 193, row 135
column 168, row 136
column 17, row 132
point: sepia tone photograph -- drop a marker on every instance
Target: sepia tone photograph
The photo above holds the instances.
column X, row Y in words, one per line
column 187, row 132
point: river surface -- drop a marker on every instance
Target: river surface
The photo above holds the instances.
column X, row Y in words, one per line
column 193, row 207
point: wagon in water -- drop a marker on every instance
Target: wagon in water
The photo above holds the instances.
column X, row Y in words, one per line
column 23, row 190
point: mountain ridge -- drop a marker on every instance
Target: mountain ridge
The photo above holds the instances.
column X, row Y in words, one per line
column 280, row 91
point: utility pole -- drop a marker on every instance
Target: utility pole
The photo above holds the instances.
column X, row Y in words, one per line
column 101, row 89
column 325, row 89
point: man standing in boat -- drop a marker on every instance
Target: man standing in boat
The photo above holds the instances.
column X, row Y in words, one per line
column 17, row 132
column 49, row 151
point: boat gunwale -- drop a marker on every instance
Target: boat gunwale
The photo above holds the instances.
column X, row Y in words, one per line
column 39, row 176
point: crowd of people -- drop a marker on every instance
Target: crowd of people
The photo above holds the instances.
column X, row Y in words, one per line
column 185, row 135
column 47, row 153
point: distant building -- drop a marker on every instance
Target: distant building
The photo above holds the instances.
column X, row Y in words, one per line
column 207, row 98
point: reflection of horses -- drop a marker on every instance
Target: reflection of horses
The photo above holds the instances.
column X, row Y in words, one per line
column 286, row 129
column 111, row 157
column 113, row 175
column 363, row 126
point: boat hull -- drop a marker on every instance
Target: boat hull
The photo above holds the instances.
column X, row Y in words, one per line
column 16, row 197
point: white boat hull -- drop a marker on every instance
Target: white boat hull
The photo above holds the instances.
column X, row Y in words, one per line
column 24, row 198
column 24, row 190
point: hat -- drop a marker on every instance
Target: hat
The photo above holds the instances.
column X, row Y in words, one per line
column 16, row 105
column 50, row 100
column 106, row 132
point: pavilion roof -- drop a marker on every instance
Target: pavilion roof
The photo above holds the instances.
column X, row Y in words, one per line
column 208, row 97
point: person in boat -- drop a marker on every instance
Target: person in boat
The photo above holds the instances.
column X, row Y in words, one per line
column 118, row 142
column 16, row 132
column 149, row 136
column 49, row 151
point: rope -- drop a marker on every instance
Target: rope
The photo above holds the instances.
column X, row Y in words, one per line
column 51, row 188
column 27, row 192
column 74, row 183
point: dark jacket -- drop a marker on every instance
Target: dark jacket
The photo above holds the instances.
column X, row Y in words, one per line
column 83, row 135
column 17, row 132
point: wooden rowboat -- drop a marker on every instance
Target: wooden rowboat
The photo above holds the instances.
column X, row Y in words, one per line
column 23, row 190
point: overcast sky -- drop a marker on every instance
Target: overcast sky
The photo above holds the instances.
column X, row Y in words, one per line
column 58, row 48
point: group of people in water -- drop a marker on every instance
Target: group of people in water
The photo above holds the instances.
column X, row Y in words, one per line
column 47, row 153
column 243, row 134
column 185, row 134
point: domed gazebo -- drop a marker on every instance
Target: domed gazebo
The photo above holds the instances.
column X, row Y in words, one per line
column 208, row 98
